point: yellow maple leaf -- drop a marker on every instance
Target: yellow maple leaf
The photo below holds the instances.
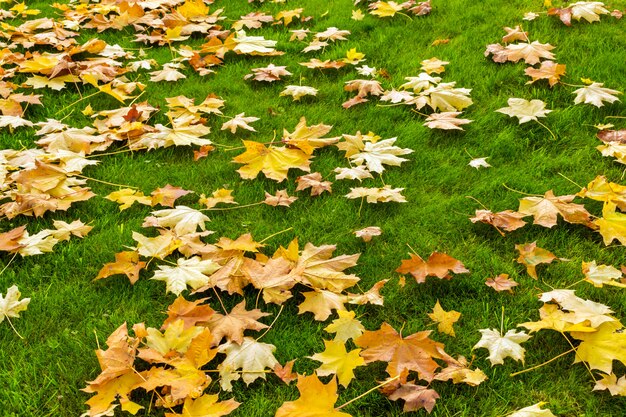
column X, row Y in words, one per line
column 336, row 360
column 600, row 348
column 316, row 399
column 444, row 319
column 274, row 162
column 206, row 406
column 612, row 224
column 193, row 9
column 385, row 8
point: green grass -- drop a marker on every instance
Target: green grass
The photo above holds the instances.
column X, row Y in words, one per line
column 69, row 314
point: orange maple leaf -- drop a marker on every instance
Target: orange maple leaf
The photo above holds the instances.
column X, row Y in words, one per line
column 316, row 399
column 438, row 265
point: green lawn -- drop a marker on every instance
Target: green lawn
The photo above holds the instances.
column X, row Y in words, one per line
column 70, row 315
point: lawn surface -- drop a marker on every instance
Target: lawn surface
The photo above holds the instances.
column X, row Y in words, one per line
column 70, row 315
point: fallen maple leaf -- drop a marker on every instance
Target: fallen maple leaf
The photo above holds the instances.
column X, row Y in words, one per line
column 446, row 121
column 345, row 327
column 321, row 303
column 274, row 162
column 595, row 94
column 367, row 233
column 182, row 219
column 233, row 324
column 336, row 360
column 281, row 198
column 549, row 70
column 501, row 283
column 270, row 73
column 600, row 275
column 502, row 346
column 506, row 220
column 298, row 91
column 612, row 225
column 531, row 53
column 190, row 312
column 206, row 406
column 314, row 182
column 444, row 319
column 525, row 110
column 534, row 410
column 415, row 397
column 316, row 399
column 250, row 356
column 192, row 272
column 514, row 34
column 439, row 265
column 545, row 209
column 530, row 256
column 414, row 353
column 166, row 196
column 126, row 263
column 11, row 305
column 239, row 121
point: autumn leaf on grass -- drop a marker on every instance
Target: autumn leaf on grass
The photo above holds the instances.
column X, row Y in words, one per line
column 588, row 10
column 433, row 65
column 415, row 352
column 239, row 121
column 532, row 411
column 175, row 338
column 316, row 400
column 316, row 268
column 127, row 197
column 233, row 324
column 126, row 263
column 218, row 196
column 298, row 91
column 447, row 98
column 514, row 34
column 612, row 383
column 422, row 8
column 9, row 241
column 356, row 173
column 371, row 296
column 270, row 73
column 600, row 275
column 549, row 70
column 166, row 196
column 525, row 110
column 336, row 360
column 600, row 189
column 321, row 303
column 285, row 373
column 445, row 121
column 308, row 138
column 564, row 14
column 531, row 53
column 595, row 94
column 206, row 406
column 415, row 397
column 458, row 370
column 506, row 220
column 281, row 198
column 439, row 265
column 190, row 312
column 253, row 20
column 254, row 45
column 385, row 8
column 530, row 256
column 168, row 73
column 501, row 283
column 376, row 154
column 444, row 319
column 612, row 225
column 274, row 162
column 10, row 305
column 600, row 348
column 546, row 209
column 182, row 220
column 314, row 182
column 192, row 272
column 502, row 346
column 156, row 247
column 64, row 230
column 345, row 327
column 368, row 233
column 364, row 87
column 251, row 357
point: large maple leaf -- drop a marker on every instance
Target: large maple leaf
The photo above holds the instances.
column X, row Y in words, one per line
column 233, row 324
column 316, row 400
column 599, row 349
column 414, row 353
column 250, row 356
column 193, row 272
column 273, row 161
column 206, row 406
column 502, row 346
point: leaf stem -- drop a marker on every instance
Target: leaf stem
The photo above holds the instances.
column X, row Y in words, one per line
column 15, row 330
column 542, row 364
column 276, row 234
column 382, row 384
column 572, row 181
column 106, row 182
column 547, row 128
column 272, row 323
column 520, row 192
column 232, row 208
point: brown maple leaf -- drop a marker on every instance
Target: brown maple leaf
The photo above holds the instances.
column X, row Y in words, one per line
column 233, row 324
column 415, row 397
column 565, row 14
column 314, row 182
column 190, row 312
column 530, row 256
column 501, row 283
column 507, row 220
column 285, row 373
column 414, row 353
column 281, row 198
column 9, row 241
column 549, row 70
column 438, row 265
column 270, row 73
